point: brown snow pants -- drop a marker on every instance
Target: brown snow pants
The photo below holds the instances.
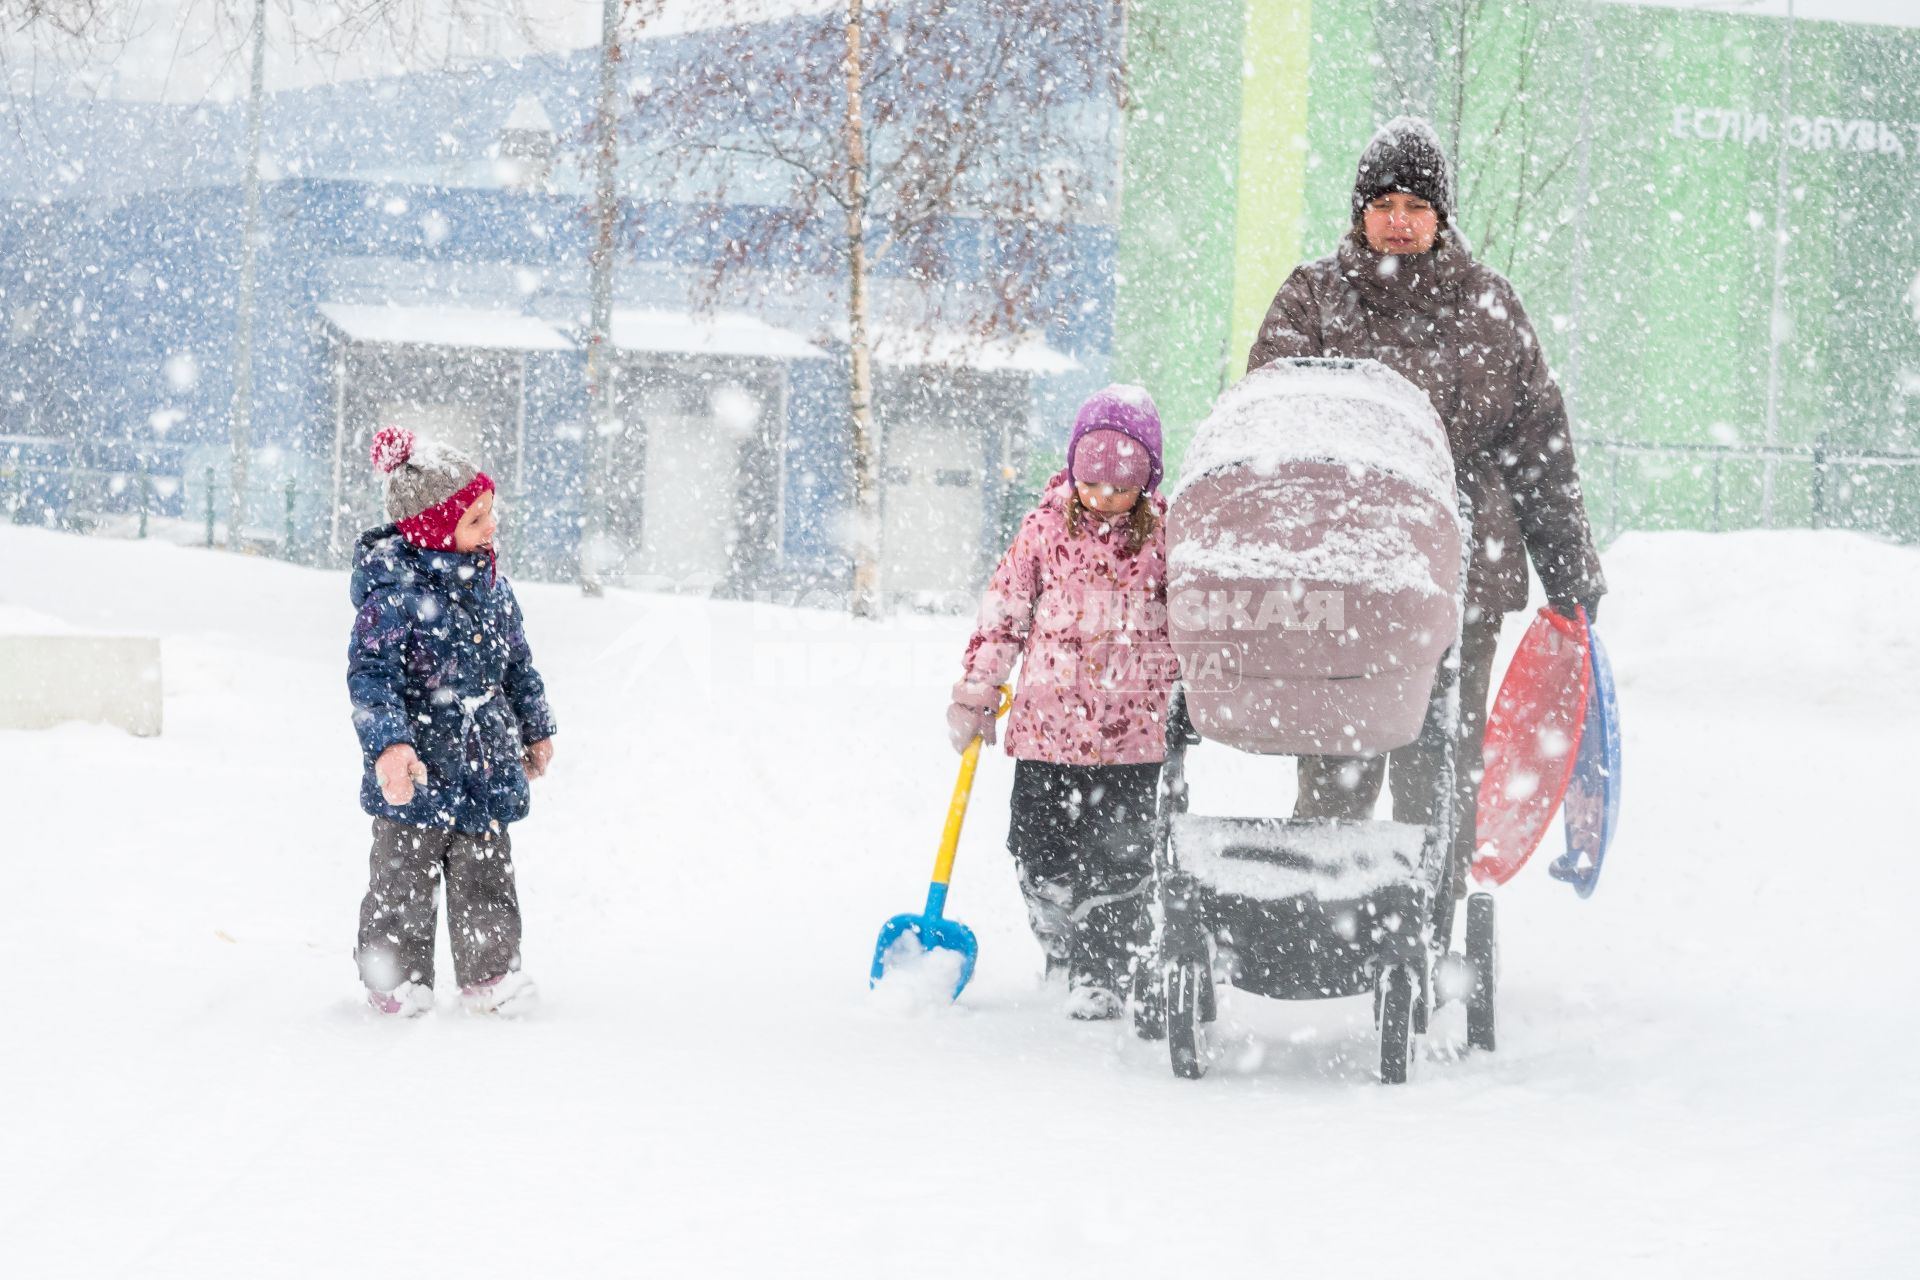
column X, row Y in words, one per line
column 399, row 916
column 1348, row 786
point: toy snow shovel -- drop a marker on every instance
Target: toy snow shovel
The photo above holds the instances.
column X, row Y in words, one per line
column 931, row 930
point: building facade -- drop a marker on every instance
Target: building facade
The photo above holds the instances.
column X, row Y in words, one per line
column 423, row 261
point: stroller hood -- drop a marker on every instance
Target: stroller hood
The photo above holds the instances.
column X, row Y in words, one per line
column 1315, row 560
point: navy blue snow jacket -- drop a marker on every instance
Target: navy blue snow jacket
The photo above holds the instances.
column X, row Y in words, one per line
column 439, row 659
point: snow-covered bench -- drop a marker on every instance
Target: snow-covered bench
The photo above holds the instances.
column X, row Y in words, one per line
column 49, row 679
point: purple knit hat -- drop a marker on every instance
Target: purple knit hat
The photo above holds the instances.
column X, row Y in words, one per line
column 1127, row 409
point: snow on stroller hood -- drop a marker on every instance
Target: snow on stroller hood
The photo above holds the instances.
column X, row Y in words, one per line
column 1358, row 414
column 1354, row 411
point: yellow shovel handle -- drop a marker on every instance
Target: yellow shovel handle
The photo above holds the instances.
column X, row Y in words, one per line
column 962, row 790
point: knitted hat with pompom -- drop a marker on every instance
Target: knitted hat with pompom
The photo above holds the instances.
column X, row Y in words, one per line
column 1405, row 155
column 429, row 485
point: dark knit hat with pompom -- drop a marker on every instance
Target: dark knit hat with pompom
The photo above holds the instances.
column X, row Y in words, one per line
column 1405, row 155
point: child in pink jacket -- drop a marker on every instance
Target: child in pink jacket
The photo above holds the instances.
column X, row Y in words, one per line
column 1079, row 600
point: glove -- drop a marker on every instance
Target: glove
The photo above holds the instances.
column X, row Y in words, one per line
column 965, row 723
column 1569, row 609
column 397, row 771
column 535, row 758
column 975, row 707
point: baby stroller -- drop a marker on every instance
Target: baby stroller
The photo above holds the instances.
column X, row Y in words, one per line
column 1318, row 556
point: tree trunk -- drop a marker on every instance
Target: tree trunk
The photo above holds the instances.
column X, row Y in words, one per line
column 866, row 601
column 241, row 422
column 1459, row 92
column 600, row 418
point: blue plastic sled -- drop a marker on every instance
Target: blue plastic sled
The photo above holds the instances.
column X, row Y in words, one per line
column 1591, row 809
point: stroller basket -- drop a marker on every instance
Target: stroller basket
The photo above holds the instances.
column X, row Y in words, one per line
column 1273, row 858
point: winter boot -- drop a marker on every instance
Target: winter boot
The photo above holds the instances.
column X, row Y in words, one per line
column 1111, row 927
column 1090, row 999
column 1053, row 977
column 508, row 995
column 408, row 1000
column 1050, row 915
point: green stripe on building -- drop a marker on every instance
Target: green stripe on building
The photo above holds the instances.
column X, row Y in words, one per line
column 1270, row 215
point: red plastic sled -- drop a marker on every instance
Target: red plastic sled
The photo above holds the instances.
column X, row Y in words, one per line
column 1533, row 740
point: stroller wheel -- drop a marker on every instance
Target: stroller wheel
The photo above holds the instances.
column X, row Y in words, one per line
column 1482, row 956
column 1189, row 996
column 1394, row 994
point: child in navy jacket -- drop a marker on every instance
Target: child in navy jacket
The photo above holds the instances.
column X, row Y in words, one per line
column 453, row 721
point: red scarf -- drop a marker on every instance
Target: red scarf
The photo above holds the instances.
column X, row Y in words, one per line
column 432, row 529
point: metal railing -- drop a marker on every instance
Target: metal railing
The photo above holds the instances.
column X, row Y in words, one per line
column 83, row 498
column 1829, row 469
column 289, row 516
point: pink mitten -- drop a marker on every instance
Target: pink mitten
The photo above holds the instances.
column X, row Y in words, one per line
column 965, row 723
column 975, row 707
column 398, row 771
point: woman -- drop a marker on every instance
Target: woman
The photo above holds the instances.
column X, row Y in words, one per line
column 1403, row 289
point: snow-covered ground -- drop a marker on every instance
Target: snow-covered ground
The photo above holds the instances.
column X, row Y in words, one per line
column 1706, row 1070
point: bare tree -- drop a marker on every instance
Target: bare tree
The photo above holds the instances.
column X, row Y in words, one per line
column 203, row 47
column 64, row 35
column 866, row 140
column 1476, row 69
column 73, row 17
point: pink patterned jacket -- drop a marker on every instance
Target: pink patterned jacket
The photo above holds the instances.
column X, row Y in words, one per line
column 1089, row 623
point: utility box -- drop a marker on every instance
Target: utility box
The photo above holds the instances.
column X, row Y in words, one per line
column 51, row 679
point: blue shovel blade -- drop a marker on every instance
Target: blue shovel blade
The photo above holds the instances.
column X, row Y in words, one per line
column 933, row 933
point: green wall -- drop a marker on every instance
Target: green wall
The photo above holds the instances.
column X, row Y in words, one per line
column 1652, row 295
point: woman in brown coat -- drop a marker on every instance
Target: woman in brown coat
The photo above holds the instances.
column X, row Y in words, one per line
column 1402, row 288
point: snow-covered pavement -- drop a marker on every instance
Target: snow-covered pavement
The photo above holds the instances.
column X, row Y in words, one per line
column 1705, row 1070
